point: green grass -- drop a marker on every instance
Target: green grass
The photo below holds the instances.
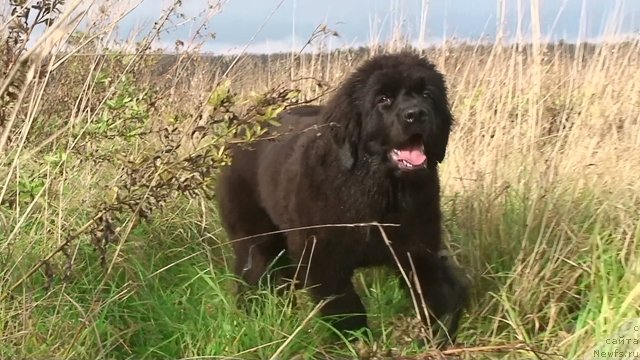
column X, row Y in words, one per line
column 540, row 197
column 542, row 275
column 168, row 297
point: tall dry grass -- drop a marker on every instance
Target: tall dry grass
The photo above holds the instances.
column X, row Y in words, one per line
column 540, row 188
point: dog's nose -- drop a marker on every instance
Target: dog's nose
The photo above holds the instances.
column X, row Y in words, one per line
column 414, row 114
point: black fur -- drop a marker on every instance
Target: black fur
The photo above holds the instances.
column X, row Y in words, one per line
column 339, row 172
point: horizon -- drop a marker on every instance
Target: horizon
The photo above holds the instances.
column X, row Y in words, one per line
column 287, row 26
column 281, row 26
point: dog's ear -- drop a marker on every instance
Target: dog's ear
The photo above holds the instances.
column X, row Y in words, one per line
column 343, row 117
column 442, row 140
column 445, row 125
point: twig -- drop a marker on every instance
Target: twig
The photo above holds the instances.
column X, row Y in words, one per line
column 416, row 281
column 493, row 348
column 305, row 228
column 488, row 348
column 416, row 307
column 477, row 349
column 310, row 100
column 277, row 135
column 297, row 330
column 246, row 46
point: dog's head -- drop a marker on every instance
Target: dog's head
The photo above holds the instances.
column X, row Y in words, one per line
column 393, row 107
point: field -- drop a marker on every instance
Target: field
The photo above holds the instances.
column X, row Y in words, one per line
column 110, row 246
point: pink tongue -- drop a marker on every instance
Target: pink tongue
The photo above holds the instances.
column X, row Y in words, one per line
column 413, row 156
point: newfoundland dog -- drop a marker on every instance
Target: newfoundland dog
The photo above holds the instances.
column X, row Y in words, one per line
column 369, row 155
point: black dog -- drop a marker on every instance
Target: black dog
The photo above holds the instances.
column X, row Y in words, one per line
column 370, row 154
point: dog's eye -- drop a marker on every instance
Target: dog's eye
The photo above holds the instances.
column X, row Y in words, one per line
column 426, row 95
column 384, row 100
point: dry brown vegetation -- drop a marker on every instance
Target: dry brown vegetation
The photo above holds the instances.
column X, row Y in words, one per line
column 106, row 163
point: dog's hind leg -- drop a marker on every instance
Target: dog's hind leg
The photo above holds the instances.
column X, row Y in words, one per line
column 255, row 258
column 257, row 245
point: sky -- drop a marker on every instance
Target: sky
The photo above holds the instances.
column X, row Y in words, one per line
column 285, row 25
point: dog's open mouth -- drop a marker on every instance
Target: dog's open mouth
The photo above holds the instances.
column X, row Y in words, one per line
column 410, row 155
